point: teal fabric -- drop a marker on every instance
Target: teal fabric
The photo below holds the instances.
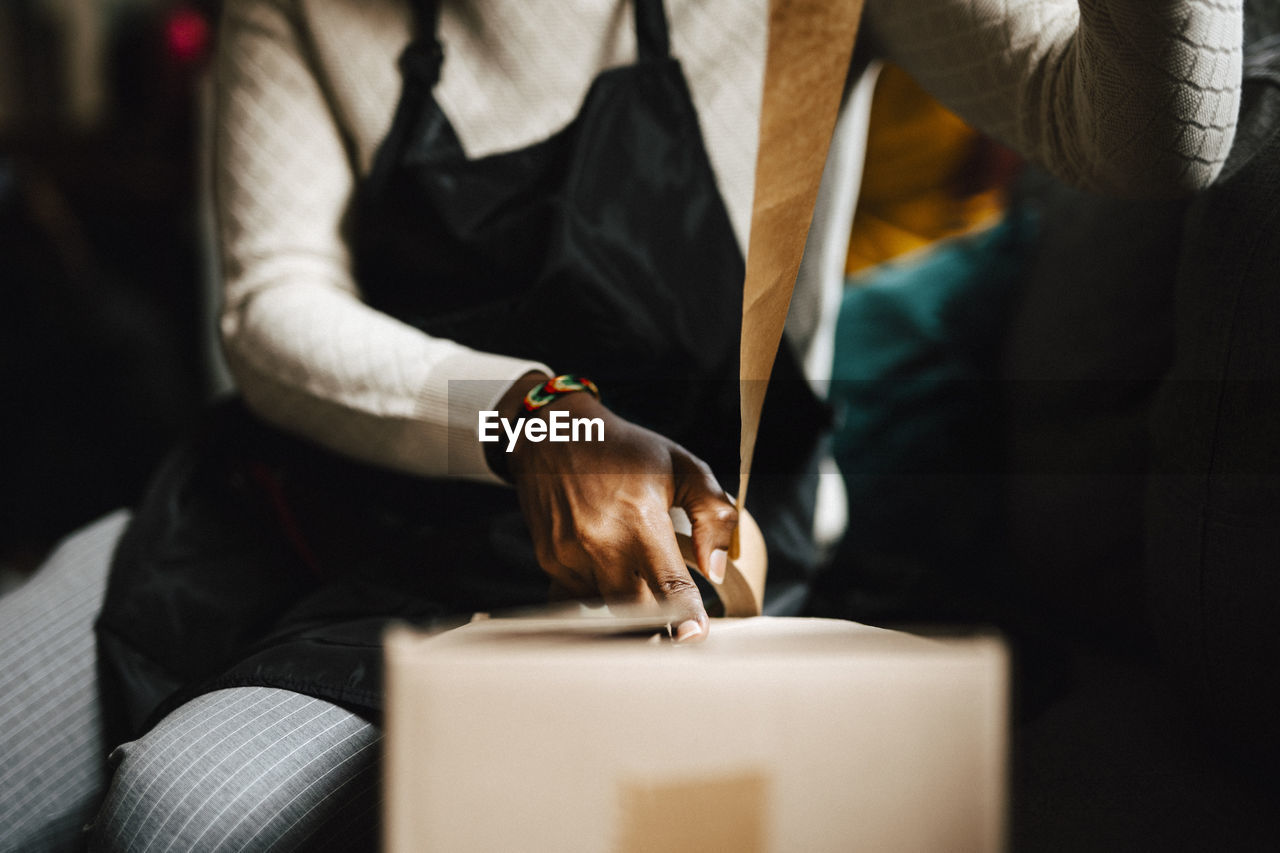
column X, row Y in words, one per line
column 915, row 386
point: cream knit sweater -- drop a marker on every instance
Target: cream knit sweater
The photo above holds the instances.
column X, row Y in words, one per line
column 1136, row 97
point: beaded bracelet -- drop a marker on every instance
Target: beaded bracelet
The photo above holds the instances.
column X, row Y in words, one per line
column 566, row 383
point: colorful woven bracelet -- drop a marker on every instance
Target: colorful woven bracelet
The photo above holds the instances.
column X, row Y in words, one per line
column 558, row 386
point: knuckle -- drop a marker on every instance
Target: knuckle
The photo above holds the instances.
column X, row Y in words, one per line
column 637, row 518
column 631, row 504
column 674, row 586
column 726, row 515
column 715, row 521
column 589, row 532
column 651, row 515
column 597, row 549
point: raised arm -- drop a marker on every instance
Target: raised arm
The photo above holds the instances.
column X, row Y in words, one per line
column 1126, row 97
column 306, row 352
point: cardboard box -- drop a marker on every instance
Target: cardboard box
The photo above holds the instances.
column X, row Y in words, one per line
column 773, row 735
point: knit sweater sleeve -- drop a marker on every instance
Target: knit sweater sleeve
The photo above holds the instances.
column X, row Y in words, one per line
column 1127, row 97
column 306, row 352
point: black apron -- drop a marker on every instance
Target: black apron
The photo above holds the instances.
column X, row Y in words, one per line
column 605, row 250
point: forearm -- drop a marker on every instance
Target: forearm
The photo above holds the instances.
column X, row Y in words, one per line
column 363, row 384
column 1129, row 97
column 306, row 352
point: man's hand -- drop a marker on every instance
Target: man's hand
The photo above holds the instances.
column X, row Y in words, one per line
column 598, row 512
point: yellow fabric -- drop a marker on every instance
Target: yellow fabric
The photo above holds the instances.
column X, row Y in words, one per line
column 920, row 157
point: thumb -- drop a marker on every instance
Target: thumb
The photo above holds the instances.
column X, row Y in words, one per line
column 712, row 515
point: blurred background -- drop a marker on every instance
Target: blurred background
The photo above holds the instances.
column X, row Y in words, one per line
column 101, row 358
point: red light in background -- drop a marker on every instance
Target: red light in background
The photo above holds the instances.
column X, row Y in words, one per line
column 186, row 35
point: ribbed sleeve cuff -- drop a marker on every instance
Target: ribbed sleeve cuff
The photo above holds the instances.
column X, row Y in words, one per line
column 488, row 377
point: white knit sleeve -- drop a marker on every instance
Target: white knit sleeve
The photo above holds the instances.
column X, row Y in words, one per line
column 306, row 352
column 1129, row 97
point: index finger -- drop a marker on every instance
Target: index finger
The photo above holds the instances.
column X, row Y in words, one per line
column 660, row 564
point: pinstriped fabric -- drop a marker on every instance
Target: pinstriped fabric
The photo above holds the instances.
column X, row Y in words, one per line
column 51, row 750
column 245, row 769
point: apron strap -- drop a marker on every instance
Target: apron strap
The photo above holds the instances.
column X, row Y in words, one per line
column 652, row 41
column 425, row 14
column 424, row 55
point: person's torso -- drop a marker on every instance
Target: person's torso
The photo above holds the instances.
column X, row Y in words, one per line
column 517, row 72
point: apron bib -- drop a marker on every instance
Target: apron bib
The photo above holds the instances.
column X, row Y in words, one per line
column 604, row 249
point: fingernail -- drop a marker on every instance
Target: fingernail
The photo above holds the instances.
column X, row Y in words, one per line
column 687, row 630
column 719, row 563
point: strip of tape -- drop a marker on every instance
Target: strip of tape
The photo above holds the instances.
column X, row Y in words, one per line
column 810, row 47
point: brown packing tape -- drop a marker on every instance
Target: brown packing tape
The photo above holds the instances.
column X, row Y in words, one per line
column 742, row 591
column 726, row 812
column 810, row 48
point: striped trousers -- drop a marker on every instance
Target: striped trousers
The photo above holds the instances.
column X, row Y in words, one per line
column 246, row 769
